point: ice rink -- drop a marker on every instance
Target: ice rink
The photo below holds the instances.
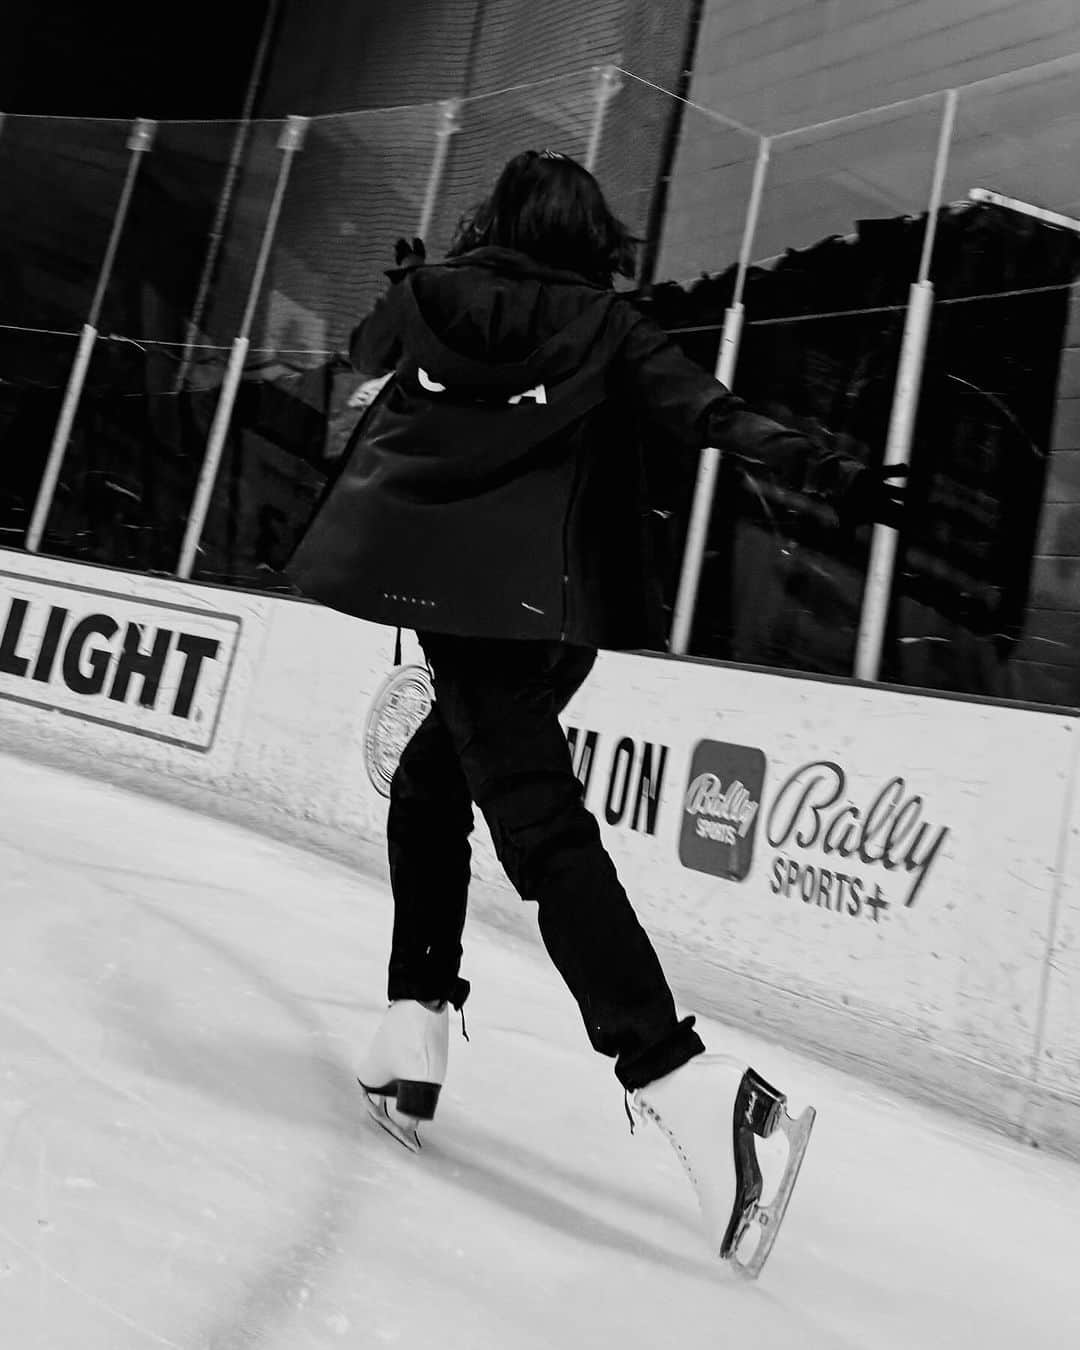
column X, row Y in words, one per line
column 185, row 1160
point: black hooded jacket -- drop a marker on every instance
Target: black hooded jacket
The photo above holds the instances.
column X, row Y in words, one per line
column 495, row 486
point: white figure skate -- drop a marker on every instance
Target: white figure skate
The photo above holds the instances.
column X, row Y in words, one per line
column 405, row 1067
column 711, row 1110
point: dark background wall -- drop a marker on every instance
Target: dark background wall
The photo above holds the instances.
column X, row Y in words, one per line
column 345, row 54
column 119, row 59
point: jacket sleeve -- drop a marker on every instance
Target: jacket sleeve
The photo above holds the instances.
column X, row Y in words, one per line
column 375, row 342
column 696, row 410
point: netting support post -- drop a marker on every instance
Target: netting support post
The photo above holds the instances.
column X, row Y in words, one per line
column 228, row 188
column 606, row 87
column 708, row 471
column 449, row 122
column 292, row 139
column 139, row 142
column 881, row 567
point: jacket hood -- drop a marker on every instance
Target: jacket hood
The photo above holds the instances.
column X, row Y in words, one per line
column 512, row 263
column 495, row 317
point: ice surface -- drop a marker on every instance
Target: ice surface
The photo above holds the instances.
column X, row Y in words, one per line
column 184, row 1160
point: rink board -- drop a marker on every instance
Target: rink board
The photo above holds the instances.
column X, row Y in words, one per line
column 1055, row 1096
column 889, row 881
column 889, row 878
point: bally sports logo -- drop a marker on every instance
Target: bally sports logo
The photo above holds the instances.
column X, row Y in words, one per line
column 720, row 809
column 839, row 852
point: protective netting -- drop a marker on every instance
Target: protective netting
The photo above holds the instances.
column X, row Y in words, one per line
column 132, row 460
column 783, row 586
column 831, row 180
column 709, row 193
column 61, row 181
column 557, row 114
column 359, row 181
column 984, row 596
column 989, row 570
column 33, row 369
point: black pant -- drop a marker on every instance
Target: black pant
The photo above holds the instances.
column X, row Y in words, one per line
column 493, row 738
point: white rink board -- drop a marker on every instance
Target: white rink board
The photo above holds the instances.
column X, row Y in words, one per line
column 154, row 668
column 288, row 719
column 1056, row 1103
column 948, row 943
column 759, row 917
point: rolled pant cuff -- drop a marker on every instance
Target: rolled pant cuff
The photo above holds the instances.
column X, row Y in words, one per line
column 663, row 1058
column 455, row 993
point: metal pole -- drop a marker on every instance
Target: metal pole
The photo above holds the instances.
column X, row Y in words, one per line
column 139, row 142
column 937, row 187
column 882, row 564
column 217, row 229
column 449, row 122
column 709, row 463
column 292, row 138
column 608, row 85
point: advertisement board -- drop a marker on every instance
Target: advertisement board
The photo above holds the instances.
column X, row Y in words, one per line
column 881, row 853
column 1054, row 1107
column 150, row 667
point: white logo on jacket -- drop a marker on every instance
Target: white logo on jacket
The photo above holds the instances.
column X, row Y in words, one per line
column 538, row 394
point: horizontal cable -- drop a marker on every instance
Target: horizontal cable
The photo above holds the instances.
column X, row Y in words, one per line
column 145, row 344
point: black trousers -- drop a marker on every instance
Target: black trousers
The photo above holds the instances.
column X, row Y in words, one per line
column 493, row 737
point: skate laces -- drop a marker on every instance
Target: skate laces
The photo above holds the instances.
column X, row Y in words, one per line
column 457, row 1002
column 438, row 1005
column 673, row 1139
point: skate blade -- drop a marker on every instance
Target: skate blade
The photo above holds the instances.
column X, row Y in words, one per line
column 766, row 1219
column 400, row 1128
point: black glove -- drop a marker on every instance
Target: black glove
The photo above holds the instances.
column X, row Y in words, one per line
column 871, row 497
column 408, row 254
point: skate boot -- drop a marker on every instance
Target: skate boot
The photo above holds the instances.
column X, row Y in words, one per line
column 712, row 1109
column 404, row 1068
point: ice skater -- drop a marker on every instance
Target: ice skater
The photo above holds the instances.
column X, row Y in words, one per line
column 493, row 503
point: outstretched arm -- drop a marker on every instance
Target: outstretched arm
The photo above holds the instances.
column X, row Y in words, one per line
column 696, row 410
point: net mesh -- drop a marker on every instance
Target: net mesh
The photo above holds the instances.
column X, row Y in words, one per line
column 61, row 182
column 556, row 114
column 832, row 181
column 358, row 183
column 175, row 265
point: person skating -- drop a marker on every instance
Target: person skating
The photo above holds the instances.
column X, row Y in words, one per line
column 493, row 503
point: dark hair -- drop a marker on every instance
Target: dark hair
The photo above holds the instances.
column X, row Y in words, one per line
column 550, row 207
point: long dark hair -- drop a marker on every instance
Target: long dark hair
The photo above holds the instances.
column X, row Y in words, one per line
column 550, row 207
